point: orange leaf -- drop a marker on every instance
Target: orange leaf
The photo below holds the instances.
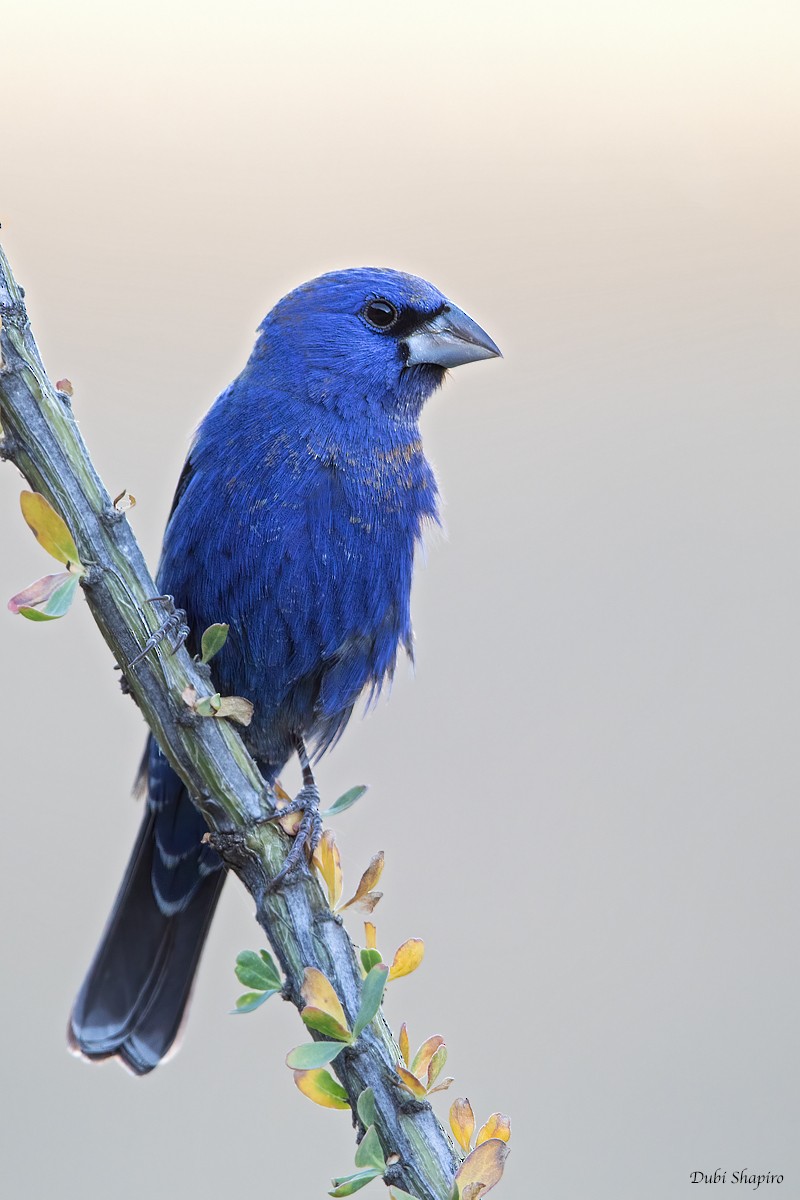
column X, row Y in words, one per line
column 329, row 865
column 369, row 934
column 437, row 1065
column 484, row 1166
column 407, row 958
column 422, row 1059
column 403, row 1042
column 289, row 824
column 367, row 883
column 498, row 1126
column 411, row 1082
column 318, row 993
column 462, row 1121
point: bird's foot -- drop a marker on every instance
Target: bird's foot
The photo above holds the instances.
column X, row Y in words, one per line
column 308, row 833
column 173, row 626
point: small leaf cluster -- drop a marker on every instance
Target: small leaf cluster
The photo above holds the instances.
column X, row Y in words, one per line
column 483, row 1166
column 259, row 973
column 419, row 1074
column 235, row 708
column 370, row 1158
column 51, row 596
column 329, row 865
column 323, row 1013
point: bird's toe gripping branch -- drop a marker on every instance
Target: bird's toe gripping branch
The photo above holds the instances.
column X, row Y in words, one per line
column 309, row 831
column 173, row 626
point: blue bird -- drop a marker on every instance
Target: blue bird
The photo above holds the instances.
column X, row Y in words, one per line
column 295, row 521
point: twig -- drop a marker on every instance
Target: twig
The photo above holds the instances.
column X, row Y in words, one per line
column 41, row 437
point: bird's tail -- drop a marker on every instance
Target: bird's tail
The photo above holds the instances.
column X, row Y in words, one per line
column 134, row 996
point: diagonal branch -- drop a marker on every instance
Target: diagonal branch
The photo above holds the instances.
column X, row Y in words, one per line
column 41, row 437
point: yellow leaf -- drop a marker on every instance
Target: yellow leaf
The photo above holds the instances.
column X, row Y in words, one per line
column 329, row 865
column 237, row 708
column 422, row 1059
column 484, row 1166
column 437, row 1065
column 403, row 1042
column 369, row 934
column 320, row 1086
column 407, row 958
column 368, row 881
column 411, row 1082
column 50, row 530
column 289, row 824
column 318, row 993
column 498, row 1126
column 462, row 1121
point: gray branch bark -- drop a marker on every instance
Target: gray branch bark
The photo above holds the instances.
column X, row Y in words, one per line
column 41, row 437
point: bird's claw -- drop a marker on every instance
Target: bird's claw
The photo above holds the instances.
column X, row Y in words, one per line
column 173, row 626
column 308, row 833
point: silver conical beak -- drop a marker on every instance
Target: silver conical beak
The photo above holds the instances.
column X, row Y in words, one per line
column 449, row 340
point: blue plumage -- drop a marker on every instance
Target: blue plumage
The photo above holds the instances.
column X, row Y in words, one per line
column 296, row 518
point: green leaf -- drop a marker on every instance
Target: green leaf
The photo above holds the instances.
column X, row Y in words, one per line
column 370, row 1152
column 311, row 1055
column 212, row 641
column 396, row 1193
column 49, row 529
column 46, row 599
column 250, row 1001
column 346, row 801
column 347, row 1185
column 208, row 706
column 365, row 1107
column 371, row 996
column 257, row 971
column 370, row 959
column 324, row 1023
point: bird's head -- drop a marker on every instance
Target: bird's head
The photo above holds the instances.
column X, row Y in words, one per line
column 365, row 338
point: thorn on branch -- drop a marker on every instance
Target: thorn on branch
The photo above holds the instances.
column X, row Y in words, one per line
column 187, row 718
column 8, row 448
column 92, row 575
column 231, row 845
column 111, row 516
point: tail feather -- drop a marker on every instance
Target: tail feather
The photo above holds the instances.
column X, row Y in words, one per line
column 133, row 999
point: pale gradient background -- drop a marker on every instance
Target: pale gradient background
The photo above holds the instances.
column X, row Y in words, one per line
column 588, row 796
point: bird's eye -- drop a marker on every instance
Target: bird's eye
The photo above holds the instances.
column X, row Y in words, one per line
column 381, row 314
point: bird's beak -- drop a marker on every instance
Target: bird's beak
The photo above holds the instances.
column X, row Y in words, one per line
column 449, row 340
